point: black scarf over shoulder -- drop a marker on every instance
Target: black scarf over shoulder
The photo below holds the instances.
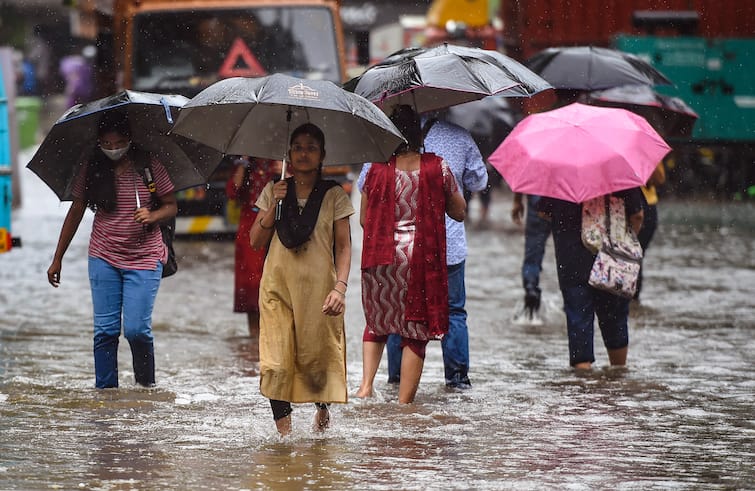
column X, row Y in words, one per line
column 294, row 228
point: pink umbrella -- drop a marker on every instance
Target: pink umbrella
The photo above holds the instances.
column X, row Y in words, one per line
column 579, row 152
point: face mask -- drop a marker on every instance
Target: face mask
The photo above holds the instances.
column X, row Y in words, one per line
column 117, row 153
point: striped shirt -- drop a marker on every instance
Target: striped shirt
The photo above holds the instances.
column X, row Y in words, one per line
column 116, row 238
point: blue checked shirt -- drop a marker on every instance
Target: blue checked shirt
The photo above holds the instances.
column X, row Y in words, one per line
column 456, row 146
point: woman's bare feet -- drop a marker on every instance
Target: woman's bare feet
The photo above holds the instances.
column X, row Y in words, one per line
column 618, row 357
column 371, row 354
column 322, row 419
column 284, row 425
column 365, row 391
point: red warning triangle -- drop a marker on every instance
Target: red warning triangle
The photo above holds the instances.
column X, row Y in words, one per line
column 249, row 66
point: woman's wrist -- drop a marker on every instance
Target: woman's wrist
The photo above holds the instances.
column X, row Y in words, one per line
column 345, row 285
column 343, row 294
column 263, row 226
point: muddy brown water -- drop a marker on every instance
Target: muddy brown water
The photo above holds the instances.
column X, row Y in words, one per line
column 680, row 417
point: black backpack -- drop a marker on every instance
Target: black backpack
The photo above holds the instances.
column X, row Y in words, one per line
column 168, row 228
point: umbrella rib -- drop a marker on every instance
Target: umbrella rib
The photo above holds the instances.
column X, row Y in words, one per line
column 235, row 134
column 509, row 75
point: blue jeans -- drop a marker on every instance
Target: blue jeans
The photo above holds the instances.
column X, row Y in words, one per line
column 455, row 344
column 581, row 304
column 129, row 295
column 536, row 233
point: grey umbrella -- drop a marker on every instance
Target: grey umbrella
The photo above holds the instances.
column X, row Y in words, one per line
column 670, row 116
column 429, row 79
column 74, row 135
column 488, row 120
column 255, row 116
column 593, row 68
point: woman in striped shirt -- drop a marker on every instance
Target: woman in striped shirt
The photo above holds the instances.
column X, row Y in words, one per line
column 126, row 250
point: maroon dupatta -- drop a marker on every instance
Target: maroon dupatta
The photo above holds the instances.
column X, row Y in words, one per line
column 427, row 295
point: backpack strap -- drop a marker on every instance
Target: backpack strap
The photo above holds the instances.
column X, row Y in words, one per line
column 146, row 172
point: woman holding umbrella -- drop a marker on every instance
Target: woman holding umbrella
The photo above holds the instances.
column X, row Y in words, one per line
column 582, row 302
column 404, row 273
column 304, row 281
column 126, row 249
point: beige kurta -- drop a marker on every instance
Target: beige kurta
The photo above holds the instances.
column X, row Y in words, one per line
column 302, row 350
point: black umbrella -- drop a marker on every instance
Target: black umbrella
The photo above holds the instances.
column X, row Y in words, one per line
column 255, row 116
column 429, row 79
column 73, row 137
column 670, row 116
column 593, row 68
column 489, row 120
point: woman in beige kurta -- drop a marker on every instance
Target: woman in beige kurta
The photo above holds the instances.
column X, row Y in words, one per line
column 302, row 336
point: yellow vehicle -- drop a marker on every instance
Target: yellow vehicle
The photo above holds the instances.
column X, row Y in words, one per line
column 469, row 23
column 182, row 46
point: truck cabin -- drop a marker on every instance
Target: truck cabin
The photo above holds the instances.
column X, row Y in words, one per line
column 183, row 46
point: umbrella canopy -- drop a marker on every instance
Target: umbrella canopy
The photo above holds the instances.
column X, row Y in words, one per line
column 593, row 68
column 73, row 137
column 255, row 116
column 488, row 120
column 429, row 79
column 579, row 152
column 670, row 116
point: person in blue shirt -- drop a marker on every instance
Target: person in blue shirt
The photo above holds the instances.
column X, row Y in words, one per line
column 456, row 146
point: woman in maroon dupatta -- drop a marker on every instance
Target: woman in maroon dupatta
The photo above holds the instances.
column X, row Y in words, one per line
column 404, row 279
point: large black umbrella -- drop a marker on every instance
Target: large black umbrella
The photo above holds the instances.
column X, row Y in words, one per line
column 255, row 116
column 429, row 79
column 489, row 121
column 73, row 137
column 593, row 68
column 670, row 116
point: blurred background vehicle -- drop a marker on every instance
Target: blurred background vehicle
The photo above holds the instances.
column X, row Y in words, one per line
column 705, row 47
column 181, row 47
column 6, row 194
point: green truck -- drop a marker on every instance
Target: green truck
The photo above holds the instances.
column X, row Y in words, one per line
column 715, row 77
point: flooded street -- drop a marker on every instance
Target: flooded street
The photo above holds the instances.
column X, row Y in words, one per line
column 681, row 417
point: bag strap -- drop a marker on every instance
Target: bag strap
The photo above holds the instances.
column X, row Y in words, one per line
column 607, row 201
column 149, row 181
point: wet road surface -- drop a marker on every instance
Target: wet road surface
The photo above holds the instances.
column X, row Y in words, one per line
column 681, row 416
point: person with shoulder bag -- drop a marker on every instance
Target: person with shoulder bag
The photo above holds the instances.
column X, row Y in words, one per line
column 583, row 302
column 126, row 250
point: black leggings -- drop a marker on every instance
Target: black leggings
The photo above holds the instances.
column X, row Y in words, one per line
column 281, row 409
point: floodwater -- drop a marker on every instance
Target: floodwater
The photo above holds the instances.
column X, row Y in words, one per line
column 680, row 417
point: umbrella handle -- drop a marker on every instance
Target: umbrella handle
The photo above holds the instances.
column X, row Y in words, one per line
column 279, row 205
column 165, row 104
